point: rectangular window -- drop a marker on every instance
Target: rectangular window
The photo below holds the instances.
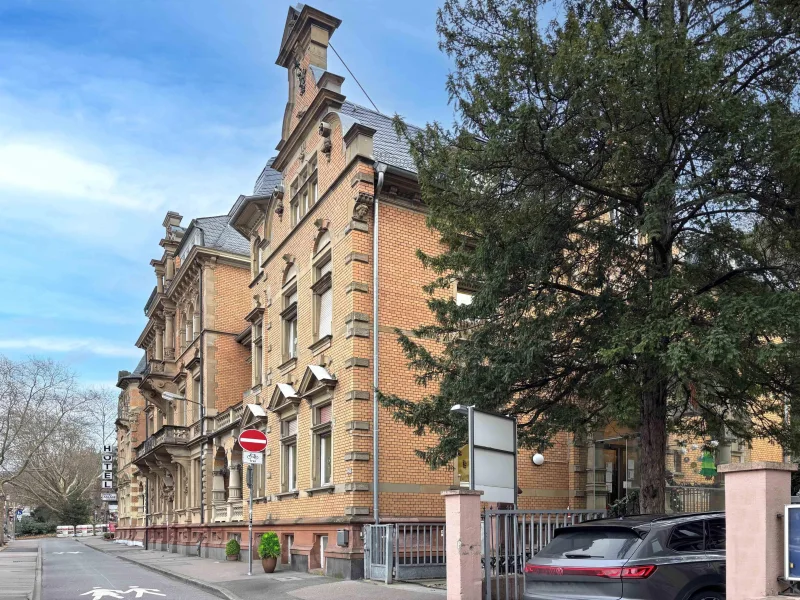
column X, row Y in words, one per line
column 196, row 398
column 677, row 467
column 323, row 299
column 258, row 353
column 464, row 297
column 294, row 208
column 314, row 191
column 323, row 416
column 289, row 316
column 306, row 204
column 289, row 455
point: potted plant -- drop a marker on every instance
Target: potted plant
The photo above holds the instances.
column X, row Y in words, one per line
column 232, row 550
column 269, row 550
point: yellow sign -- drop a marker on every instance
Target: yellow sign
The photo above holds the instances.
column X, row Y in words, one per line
column 463, row 464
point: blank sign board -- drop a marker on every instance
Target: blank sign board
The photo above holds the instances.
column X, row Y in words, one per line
column 494, row 457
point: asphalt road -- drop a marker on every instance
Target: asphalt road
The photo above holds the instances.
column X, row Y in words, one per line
column 71, row 571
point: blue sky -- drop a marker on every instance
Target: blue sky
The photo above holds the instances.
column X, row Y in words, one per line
column 114, row 111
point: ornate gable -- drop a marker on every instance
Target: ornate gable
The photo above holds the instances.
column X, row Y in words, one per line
column 283, row 398
column 316, row 380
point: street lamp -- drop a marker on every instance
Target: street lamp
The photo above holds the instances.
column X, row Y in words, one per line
column 178, row 398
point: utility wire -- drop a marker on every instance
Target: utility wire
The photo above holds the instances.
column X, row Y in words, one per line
column 354, row 77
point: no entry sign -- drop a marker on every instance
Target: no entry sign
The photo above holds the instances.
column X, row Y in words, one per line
column 252, row 440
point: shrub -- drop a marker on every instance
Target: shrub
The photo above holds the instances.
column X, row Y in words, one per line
column 232, row 548
column 108, row 535
column 269, row 547
column 28, row 526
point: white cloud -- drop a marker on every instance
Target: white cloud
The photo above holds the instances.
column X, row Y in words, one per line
column 45, row 169
column 58, row 345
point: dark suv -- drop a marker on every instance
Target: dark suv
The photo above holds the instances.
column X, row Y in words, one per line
column 648, row 557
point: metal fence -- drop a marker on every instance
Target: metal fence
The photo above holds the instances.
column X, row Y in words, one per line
column 511, row 537
column 693, row 499
column 419, row 551
column 405, row 551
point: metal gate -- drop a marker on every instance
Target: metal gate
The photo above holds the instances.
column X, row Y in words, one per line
column 511, row 537
column 405, row 551
column 378, row 555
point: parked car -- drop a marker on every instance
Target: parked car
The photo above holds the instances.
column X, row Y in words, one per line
column 646, row 557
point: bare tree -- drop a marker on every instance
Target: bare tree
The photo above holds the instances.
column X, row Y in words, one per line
column 101, row 412
column 65, row 468
column 37, row 396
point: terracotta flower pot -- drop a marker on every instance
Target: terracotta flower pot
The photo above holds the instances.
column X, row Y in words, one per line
column 232, row 557
column 269, row 564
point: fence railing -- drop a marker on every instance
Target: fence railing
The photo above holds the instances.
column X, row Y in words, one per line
column 692, row 499
column 511, row 537
column 419, row 551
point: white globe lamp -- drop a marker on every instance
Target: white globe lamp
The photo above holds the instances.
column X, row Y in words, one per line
column 538, row 459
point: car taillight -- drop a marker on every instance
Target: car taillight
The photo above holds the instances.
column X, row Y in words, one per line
column 638, row 572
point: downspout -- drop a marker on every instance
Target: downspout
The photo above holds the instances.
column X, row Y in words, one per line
column 380, row 169
column 202, row 399
column 146, row 479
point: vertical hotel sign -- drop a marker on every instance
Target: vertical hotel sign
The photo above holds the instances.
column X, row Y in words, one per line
column 107, row 463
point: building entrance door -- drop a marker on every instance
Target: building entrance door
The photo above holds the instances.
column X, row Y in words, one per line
column 613, row 470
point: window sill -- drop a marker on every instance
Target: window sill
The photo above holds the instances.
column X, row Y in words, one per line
column 321, row 344
column 287, row 365
column 284, row 495
column 320, row 490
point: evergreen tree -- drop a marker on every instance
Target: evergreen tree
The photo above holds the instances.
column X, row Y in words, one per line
column 75, row 510
column 621, row 191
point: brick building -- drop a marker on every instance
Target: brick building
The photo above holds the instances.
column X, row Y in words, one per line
column 292, row 328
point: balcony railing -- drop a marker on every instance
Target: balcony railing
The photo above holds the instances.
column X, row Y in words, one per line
column 229, row 417
column 168, row 434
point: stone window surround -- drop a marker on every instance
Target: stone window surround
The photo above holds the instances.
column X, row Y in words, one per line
column 289, row 312
column 304, row 191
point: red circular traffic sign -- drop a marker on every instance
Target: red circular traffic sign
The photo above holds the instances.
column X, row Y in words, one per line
column 252, row 440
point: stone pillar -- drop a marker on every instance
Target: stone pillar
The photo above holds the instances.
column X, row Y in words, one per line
column 196, row 325
column 169, row 334
column 170, row 268
column 159, row 343
column 755, row 496
column 463, row 521
column 235, row 482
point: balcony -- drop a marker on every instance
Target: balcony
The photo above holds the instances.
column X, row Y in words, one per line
column 169, row 436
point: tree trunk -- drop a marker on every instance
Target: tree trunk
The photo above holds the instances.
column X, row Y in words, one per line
column 653, row 443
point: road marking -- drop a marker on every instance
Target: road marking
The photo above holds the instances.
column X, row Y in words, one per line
column 287, row 578
column 98, row 593
column 67, row 552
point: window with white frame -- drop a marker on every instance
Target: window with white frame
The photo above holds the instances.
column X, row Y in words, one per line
column 196, row 398
column 289, row 314
column 322, row 468
column 323, row 287
column 289, row 455
column 258, row 352
column 464, row 296
column 304, row 191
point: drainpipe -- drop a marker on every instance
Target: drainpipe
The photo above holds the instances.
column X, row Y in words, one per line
column 202, row 399
column 146, row 479
column 380, row 169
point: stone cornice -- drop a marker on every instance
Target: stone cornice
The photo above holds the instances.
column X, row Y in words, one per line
column 308, row 16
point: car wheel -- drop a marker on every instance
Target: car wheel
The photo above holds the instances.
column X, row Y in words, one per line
column 708, row 595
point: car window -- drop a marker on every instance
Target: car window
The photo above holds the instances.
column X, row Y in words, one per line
column 592, row 542
column 687, row 537
column 715, row 537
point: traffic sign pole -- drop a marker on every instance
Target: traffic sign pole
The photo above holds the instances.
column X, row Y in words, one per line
column 250, row 520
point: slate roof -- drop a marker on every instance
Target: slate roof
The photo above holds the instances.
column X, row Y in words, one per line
column 218, row 233
column 141, row 366
column 266, row 182
column 388, row 146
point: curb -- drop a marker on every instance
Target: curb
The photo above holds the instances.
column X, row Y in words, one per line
column 203, row 585
column 36, row 594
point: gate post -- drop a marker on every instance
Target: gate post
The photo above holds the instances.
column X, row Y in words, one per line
column 463, row 544
column 755, row 495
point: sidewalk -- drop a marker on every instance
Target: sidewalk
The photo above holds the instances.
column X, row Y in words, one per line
column 19, row 563
column 230, row 580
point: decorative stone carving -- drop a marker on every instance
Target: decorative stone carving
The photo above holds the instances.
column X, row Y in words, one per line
column 302, row 153
column 327, row 148
column 363, row 205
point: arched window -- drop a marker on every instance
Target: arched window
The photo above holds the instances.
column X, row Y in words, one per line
column 289, row 312
column 323, row 287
